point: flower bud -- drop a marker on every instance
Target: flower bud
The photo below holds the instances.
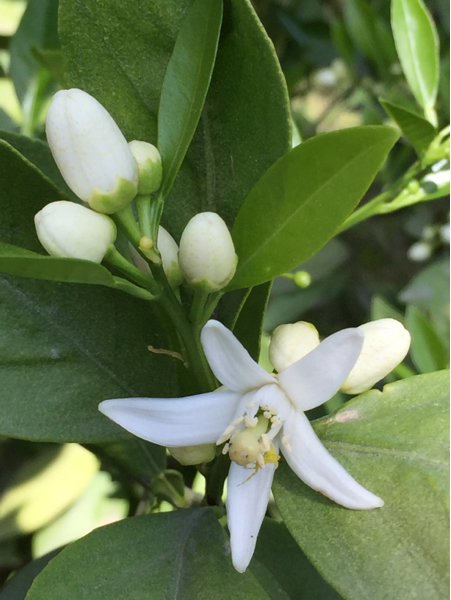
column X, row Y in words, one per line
column 289, row 343
column 168, row 249
column 207, row 254
column 150, row 171
column 194, row 455
column 69, row 230
column 90, row 151
column 385, row 345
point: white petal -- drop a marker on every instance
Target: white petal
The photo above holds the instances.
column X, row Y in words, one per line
column 312, row 380
column 174, row 421
column 246, row 508
column 312, row 463
column 230, row 361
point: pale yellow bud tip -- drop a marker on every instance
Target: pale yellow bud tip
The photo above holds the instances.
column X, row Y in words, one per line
column 385, row 345
column 289, row 343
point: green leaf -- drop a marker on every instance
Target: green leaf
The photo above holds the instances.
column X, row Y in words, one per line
column 395, row 443
column 369, row 33
column 44, row 488
column 248, row 323
column 186, row 84
column 427, row 350
column 17, row 587
column 36, row 152
column 166, row 556
column 65, row 348
column 429, row 291
column 417, row 130
column 280, row 554
column 300, row 202
column 245, row 125
column 24, row 191
column 17, row 261
column 417, row 45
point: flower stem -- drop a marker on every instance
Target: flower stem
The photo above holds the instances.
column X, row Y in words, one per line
column 130, row 288
column 376, row 205
column 143, row 208
column 125, row 220
column 115, row 258
column 190, row 336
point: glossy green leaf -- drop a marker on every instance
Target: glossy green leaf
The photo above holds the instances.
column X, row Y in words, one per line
column 395, row 443
column 44, row 488
column 186, row 84
column 121, row 56
column 427, row 350
column 417, row 46
column 282, row 557
column 300, row 202
column 17, row 261
column 181, row 554
column 417, row 130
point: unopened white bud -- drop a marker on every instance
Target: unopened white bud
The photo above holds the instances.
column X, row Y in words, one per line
column 289, row 343
column 193, row 455
column 150, row 171
column 91, row 151
column 385, row 345
column 69, row 230
column 207, row 254
column 168, row 249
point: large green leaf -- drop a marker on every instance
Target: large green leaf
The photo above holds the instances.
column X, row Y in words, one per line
column 64, row 348
column 120, row 57
column 417, row 130
column 186, row 84
column 300, row 202
column 174, row 555
column 395, row 443
column 279, row 553
column 417, row 46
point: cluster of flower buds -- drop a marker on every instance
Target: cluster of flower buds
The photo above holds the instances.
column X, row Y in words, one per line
column 107, row 173
column 385, row 345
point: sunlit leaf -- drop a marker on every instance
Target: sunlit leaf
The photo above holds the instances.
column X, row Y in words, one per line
column 300, row 202
column 417, row 46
